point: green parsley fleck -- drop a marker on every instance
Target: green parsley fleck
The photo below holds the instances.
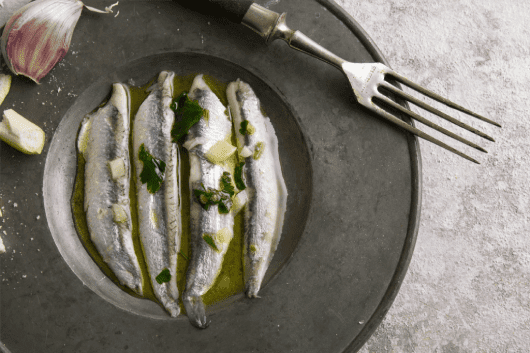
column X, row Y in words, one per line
column 247, row 128
column 153, row 170
column 187, row 114
column 222, row 198
column 238, row 176
column 164, row 276
column 209, row 240
column 182, row 254
column 226, row 184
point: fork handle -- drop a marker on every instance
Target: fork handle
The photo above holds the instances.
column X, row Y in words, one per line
column 299, row 41
column 268, row 24
column 271, row 25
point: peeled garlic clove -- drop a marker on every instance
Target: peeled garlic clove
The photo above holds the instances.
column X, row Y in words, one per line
column 220, row 152
column 38, row 36
column 21, row 133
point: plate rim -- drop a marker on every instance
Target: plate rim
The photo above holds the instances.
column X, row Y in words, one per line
column 416, row 190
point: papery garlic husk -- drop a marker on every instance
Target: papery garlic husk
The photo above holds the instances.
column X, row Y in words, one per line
column 38, row 36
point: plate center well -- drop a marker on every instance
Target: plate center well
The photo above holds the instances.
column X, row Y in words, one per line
column 61, row 167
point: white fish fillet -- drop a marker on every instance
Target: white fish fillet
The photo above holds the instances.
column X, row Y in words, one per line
column 267, row 193
column 104, row 137
column 159, row 213
column 205, row 262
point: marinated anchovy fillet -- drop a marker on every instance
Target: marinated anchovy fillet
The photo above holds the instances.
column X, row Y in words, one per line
column 159, row 212
column 267, row 193
column 104, row 142
column 211, row 230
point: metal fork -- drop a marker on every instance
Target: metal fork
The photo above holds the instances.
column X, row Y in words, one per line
column 369, row 81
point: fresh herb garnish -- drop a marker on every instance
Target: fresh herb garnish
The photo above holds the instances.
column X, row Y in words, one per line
column 226, row 184
column 238, row 176
column 182, row 254
column 209, row 240
column 205, row 197
column 213, row 197
column 187, row 114
column 222, row 198
column 246, row 128
column 153, row 170
column 163, row 277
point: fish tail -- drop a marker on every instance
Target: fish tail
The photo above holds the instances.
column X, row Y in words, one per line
column 195, row 310
column 172, row 307
column 253, row 287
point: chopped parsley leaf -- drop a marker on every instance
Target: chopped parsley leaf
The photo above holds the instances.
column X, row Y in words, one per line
column 223, row 207
column 153, row 170
column 246, row 128
column 222, row 198
column 238, row 176
column 187, row 114
column 209, row 240
column 226, row 184
column 163, row 277
column 182, row 254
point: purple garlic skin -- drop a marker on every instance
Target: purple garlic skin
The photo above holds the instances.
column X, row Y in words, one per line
column 38, row 35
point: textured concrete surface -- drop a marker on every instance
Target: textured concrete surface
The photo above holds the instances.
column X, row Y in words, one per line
column 467, row 289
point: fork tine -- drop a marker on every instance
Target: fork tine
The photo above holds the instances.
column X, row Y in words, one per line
column 421, row 119
column 418, row 132
column 433, row 110
column 438, row 98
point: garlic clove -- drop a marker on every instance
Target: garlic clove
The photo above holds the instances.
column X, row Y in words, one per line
column 21, row 133
column 38, row 35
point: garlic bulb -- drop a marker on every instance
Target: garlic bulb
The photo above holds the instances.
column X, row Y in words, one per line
column 38, row 35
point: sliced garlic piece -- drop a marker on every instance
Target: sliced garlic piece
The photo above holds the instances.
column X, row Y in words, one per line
column 118, row 213
column 223, row 236
column 245, row 152
column 220, row 152
column 239, row 201
column 117, row 168
column 21, row 133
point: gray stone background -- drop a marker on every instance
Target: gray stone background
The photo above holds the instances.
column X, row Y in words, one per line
column 467, row 288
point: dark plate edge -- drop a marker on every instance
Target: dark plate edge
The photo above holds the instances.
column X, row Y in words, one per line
column 415, row 208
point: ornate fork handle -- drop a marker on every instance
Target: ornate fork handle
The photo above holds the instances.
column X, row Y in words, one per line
column 271, row 25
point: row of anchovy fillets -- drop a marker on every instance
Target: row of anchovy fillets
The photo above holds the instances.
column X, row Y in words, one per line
column 104, row 142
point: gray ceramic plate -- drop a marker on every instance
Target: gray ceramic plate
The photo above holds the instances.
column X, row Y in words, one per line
column 353, row 180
